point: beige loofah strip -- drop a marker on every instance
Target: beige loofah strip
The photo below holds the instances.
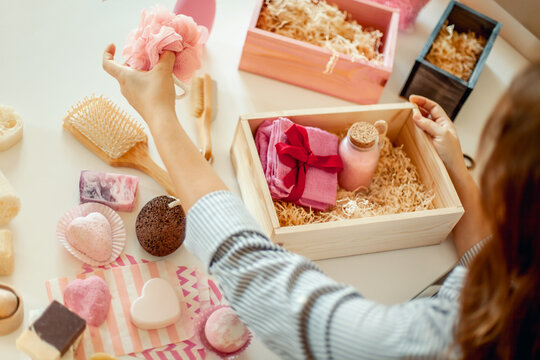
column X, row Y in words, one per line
column 321, row 24
column 456, row 52
column 396, row 188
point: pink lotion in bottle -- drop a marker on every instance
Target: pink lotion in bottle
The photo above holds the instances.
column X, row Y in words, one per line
column 360, row 151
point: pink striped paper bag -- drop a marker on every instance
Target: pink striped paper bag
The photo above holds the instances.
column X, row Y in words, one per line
column 117, row 335
column 204, row 293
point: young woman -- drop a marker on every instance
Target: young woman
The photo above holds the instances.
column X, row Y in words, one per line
column 489, row 311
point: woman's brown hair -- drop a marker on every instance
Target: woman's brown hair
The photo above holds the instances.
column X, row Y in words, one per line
column 500, row 315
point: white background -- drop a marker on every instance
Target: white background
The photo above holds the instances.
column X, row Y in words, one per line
column 50, row 58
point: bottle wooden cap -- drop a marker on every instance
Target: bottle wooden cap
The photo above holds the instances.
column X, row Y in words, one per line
column 11, row 323
column 363, row 134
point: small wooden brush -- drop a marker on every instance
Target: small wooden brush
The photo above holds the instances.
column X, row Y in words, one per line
column 114, row 136
column 201, row 108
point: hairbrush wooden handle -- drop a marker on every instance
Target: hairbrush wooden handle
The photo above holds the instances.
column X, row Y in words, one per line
column 162, row 177
column 139, row 158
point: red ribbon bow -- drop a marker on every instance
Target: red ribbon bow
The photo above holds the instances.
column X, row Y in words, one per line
column 298, row 155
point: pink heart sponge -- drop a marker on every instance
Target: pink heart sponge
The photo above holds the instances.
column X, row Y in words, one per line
column 89, row 298
column 91, row 235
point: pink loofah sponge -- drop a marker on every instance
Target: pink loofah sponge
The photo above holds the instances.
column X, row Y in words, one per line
column 160, row 30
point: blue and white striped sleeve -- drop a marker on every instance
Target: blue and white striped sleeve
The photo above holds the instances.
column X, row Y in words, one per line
column 299, row 312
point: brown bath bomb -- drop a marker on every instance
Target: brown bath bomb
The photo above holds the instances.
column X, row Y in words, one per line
column 161, row 229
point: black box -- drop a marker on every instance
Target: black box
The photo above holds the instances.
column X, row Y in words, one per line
column 432, row 82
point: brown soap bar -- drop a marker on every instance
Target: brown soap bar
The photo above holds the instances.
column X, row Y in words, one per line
column 59, row 327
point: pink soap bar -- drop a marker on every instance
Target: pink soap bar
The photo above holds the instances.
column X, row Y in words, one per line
column 89, row 298
column 114, row 190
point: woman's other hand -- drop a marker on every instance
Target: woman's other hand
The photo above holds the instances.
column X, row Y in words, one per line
column 434, row 121
column 147, row 91
column 472, row 227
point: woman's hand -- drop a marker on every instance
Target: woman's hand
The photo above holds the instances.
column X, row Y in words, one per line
column 472, row 227
column 147, row 91
column 438, row 125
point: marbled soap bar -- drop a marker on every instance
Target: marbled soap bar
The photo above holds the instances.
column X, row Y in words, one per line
column 55, row 332
column 114, row 190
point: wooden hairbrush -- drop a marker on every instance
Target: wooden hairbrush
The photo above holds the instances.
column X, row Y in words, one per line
column 114, row 136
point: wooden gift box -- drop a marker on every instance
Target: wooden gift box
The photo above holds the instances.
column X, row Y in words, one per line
column 431, row 81
column 303, row 64
column 353, row 236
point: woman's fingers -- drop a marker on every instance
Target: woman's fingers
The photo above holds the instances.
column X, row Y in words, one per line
column 429, row 126
column 108, row 62
column 431, row 106
column 424, row 111
column 166, row 61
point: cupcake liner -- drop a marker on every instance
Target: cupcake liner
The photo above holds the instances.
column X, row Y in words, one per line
column 200, row 323
column 117, row 229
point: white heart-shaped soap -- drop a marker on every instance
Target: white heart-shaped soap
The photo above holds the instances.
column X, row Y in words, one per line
column 91, row 235
column 157, row 307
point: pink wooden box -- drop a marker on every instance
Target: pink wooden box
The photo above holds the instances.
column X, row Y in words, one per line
column 303, row 64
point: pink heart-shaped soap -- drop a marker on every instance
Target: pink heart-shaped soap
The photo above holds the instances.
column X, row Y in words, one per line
column 157, row 307
column 91, row 235
column 89, row 298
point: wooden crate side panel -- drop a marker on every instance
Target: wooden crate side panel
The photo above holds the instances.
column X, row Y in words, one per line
column 430, row 167
column 336, row 119
column 365, row 13
column 339, row 239
column 431, row 82
column 296, row 63
column 376, row 16
column 390, row 39
column 464, row 19
column 248, row 174
column 256, row 13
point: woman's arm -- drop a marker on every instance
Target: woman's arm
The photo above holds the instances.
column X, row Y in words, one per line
column 473, row 226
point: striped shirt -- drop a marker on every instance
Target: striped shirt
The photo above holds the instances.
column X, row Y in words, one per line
column 299, row 312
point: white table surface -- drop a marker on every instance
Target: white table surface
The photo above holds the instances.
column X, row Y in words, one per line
column 51, row 58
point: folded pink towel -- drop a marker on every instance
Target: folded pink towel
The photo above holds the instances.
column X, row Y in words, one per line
column 160, row 30
column 320, row 184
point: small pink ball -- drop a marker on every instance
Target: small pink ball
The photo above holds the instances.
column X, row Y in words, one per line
column 225, row 332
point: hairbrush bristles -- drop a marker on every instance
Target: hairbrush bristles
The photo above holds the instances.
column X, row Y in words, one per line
column 106, row 125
